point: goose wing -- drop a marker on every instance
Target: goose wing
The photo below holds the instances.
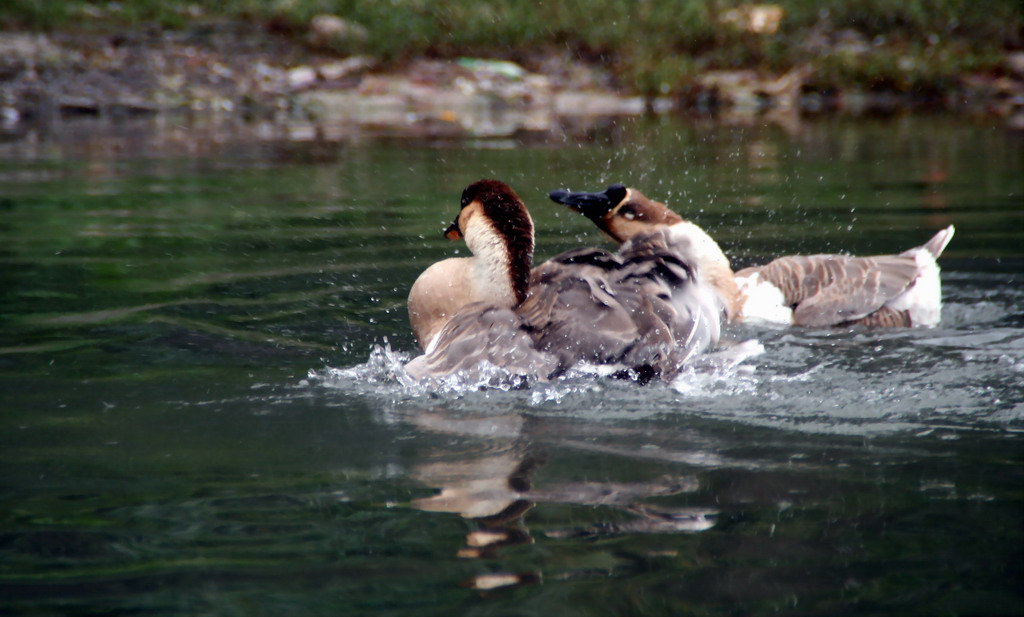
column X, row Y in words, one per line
column 640, row 308
column 576, row 313
column 668, row 276
column 482, row 334
column 827, row 290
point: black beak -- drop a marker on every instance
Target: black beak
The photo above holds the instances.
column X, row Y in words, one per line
column 594, row 206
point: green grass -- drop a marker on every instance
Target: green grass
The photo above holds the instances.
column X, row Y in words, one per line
column 652, row 46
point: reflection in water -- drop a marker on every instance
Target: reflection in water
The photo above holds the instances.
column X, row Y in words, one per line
column 495, row 491
column 487, row 489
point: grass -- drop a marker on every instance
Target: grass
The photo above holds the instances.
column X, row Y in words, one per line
column 652, row 46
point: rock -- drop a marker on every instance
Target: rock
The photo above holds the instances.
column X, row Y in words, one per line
column 570, row 74
column 28, row 49
column 330, row 30
column 471, row 97
column 597, row 104
column 301, row 77
column 492, row 68
column 348, row 106
column 1015, row 62
column 1016, row 121
column 850, row 42
column 756, row 18
column 336, row 70
column 748, row 90
column 9, row 116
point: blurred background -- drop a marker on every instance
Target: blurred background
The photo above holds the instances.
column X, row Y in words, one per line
column 262, row 59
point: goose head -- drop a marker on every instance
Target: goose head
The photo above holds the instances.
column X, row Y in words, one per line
column 624, row 213
column 619, row 211
column 498, row 230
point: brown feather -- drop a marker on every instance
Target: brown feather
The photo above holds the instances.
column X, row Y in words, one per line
column 884, row 317
column 827, row 290
column 503, row 207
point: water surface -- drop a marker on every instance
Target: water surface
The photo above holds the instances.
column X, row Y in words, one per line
column 199, row 326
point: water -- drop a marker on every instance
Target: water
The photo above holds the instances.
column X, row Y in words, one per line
column 199, row 326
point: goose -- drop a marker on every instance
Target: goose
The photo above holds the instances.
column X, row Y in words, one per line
column 901, row 290
column 500, row 238
column 642, row 310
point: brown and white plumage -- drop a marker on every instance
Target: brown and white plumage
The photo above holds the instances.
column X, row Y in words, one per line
column 642, row 308
column 883, row 290
column 477, row 338
column 817, row 290
column 499, row 234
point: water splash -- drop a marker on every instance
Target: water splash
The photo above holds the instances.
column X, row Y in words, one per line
column 383, row 376
column 386, row 367
column 850, row 382
column 383, row 366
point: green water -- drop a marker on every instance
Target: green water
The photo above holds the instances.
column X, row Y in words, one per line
column 167, row 289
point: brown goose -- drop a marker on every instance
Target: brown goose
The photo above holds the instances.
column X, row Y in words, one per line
column 499, row 233
column 816, row 290
column 642, row 309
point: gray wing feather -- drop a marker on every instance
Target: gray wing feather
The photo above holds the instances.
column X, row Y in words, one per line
column 638, row 307
column 482, row 333
column 827, row 290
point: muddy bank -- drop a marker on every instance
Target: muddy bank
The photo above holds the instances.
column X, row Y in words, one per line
column 236, row 69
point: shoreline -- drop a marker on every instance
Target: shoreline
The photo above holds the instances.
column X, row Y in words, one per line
column 233, row 70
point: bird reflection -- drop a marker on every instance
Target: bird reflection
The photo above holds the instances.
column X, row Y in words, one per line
column 494, row 490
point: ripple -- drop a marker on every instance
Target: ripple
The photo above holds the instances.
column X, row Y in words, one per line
column 855, row 382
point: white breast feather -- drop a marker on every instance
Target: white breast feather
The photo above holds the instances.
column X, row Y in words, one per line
column 698, row 245
column 763, row 302
column 491, row 280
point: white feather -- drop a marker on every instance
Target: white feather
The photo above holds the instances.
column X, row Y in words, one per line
column 762, row 301
column 698, row 245
column 490, row 277
column 923, row 299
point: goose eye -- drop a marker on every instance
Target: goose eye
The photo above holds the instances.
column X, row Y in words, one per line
column 628, row 213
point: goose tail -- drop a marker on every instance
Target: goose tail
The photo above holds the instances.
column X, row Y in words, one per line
column 938, row 243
